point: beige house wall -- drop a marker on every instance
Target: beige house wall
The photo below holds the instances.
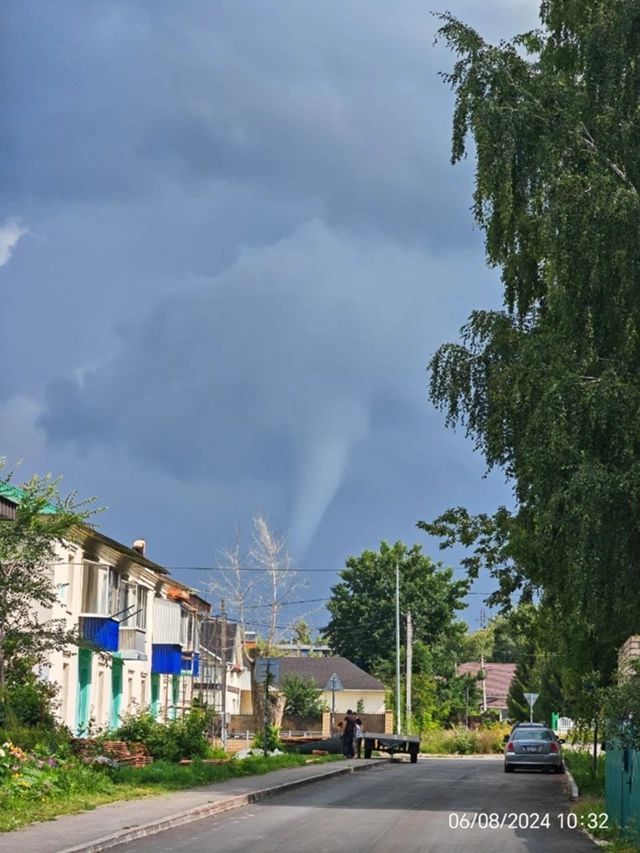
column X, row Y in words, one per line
column 373, row 700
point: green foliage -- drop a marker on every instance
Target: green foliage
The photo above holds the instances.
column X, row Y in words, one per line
column 49, row 740
column 171, row 741
column 28, row 699
column 547, row 387
column 302, row 633
column 303, row 697
column 439, row 696
column 459, row 741
column 580, row 764
column 27, row 548
column 35, row 776
column 272, row 739
column 362, row 604
column 619, row 707
column 40, row 784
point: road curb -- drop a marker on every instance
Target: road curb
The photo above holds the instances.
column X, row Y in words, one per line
column 123, row 836
column 573, row 788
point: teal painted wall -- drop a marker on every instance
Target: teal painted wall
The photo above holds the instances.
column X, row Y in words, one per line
column 84, row 691
column 155, row 695
column 116, row 692
column 175, row 695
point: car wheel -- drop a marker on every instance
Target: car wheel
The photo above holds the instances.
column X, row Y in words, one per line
column 559, row 768
column 508, row 768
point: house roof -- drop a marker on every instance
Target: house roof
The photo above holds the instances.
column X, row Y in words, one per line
column 121, row 554
column 15, row 494
column 321, row 670
column 498, row 680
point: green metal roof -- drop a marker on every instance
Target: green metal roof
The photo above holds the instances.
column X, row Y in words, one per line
column 15, row 495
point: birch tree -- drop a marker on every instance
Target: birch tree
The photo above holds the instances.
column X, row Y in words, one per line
column 547, row 387
column 256, row 587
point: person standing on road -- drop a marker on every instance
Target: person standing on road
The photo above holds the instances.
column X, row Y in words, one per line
column 348, row 734
column 359, row 731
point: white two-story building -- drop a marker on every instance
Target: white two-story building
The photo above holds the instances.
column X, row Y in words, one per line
column 139, row 631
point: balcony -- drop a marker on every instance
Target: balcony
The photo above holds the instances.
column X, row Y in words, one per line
column 100, row 631
column 166, row 622
column 190, row 664
column 166, row 659
column 132, row 643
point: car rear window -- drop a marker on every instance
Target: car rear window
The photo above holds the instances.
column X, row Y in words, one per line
column 532, row 734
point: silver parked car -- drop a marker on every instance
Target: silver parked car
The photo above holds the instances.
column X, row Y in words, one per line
column 533, row 745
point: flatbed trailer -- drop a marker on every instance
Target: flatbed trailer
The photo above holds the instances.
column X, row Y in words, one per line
column 392, row 744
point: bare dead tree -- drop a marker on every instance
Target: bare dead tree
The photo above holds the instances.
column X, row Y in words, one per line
column 262, row 581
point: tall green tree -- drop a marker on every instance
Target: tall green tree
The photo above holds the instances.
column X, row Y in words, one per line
column 362, row 604
column 548, row 386
column 43, row 519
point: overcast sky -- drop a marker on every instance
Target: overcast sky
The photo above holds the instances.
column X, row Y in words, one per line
column 230, row 239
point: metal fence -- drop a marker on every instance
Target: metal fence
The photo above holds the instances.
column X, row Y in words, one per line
column 622, row 789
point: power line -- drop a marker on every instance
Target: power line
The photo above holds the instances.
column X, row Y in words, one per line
column 233, row 569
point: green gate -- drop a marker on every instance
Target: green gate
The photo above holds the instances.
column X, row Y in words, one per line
column 622, row 789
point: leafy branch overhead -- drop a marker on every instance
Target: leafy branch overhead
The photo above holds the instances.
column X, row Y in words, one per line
column 547, row 387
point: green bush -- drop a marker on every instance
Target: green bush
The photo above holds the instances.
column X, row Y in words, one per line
column 304, row 697
column 580, row 764
column 458, row 741
column 54, row 739
column 464, row 742
column 170, row 741
column 272, row 741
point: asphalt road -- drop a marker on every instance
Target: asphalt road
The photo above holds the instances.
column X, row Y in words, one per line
column 397, row 807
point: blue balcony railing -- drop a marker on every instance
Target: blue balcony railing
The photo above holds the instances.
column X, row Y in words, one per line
column 100, row 631
column 166, row 659
column 191, row 664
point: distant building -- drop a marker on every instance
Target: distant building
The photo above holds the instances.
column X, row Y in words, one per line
column 215, row 657
column 357, row 685
column 498, row 678
column 302, row 650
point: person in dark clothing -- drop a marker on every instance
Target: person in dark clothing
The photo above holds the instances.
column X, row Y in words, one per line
column 348, row 734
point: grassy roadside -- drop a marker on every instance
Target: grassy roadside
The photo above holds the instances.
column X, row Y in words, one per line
column 100, row 787
column 590, row 807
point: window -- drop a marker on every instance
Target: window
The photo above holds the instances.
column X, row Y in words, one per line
column 95, row 591
column 114, row 591
column 532, row 734
column 142, row 598
column 127, row 604
column 186, row 628
column 62, row 591
column 100, row 589
column 133, row 605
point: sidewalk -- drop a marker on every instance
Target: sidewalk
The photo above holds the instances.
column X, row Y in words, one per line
column 118, row 823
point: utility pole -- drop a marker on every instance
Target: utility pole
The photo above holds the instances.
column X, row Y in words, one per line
column 223, row 680
column 398, row 726
column 266, row 707
column 408, row 712
column 484, row 677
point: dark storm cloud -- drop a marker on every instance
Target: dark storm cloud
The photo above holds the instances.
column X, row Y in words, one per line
column 338, row 104
column 244, row 242
column 271, row 369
